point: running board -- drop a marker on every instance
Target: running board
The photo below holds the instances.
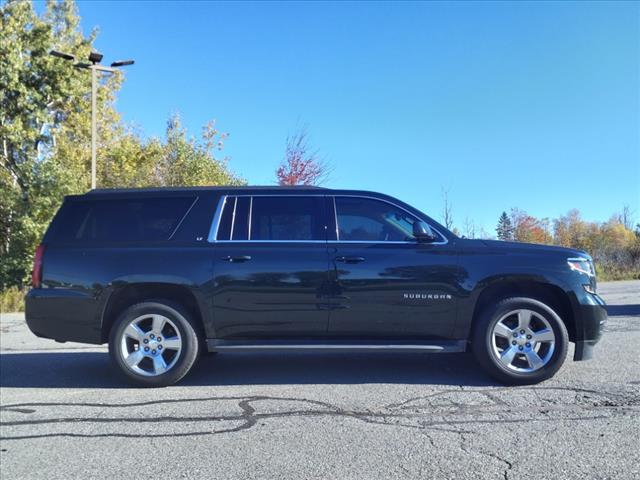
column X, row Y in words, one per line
column 444, row 346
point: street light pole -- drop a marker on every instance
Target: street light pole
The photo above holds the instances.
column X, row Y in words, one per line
column 95, row 67
column 94, row 133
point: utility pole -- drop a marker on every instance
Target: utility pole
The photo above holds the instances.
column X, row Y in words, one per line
column 95, row 58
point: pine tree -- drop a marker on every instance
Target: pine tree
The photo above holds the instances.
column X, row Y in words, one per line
column 505, row 227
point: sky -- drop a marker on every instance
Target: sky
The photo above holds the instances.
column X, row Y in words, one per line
column 528, row 105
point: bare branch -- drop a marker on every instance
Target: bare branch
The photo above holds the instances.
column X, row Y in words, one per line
column 447, row 209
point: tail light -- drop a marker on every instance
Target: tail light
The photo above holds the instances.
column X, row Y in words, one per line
column 36, row 274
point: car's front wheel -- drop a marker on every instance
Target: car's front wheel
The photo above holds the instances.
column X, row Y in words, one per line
column 154, row 343
column 520, row 341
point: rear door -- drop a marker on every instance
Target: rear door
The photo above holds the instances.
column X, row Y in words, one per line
column 385, row 283
column 270, row 267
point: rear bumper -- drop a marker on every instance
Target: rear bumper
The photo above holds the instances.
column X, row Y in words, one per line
column 591, row 316
column 62, row 315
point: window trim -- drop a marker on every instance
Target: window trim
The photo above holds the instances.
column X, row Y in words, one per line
column 233, row 217
column 215, row 224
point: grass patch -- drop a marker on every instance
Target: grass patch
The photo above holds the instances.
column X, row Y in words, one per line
column 613, row 274
column 12, row 300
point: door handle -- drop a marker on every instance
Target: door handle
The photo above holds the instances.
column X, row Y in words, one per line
column 349, row 259
column 237, row 258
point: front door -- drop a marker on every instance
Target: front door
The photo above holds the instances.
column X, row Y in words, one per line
column 270, row 268
column 384, row 283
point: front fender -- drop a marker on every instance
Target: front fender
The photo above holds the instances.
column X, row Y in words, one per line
column 506, row 283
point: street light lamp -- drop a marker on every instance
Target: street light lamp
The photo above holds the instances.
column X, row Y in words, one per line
column 122, row 63
column 95, row 58
column 66, row 56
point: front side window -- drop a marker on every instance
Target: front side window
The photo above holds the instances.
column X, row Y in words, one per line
column 293, row 218
column 369, row 220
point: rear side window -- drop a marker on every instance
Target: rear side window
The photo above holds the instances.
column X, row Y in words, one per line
column 120, row 220
column 287, row 218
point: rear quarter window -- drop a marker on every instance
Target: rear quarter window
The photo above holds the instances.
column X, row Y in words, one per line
column 119, row 220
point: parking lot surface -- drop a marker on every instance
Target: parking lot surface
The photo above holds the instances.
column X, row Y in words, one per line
column 65, row 413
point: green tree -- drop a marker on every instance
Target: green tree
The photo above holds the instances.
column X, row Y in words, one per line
column 45, row 133
column 38, row 95
column 177, row 160
column 186, row 161
column 504, row 230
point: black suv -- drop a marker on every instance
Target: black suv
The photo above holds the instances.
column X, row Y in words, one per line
column 164, row 275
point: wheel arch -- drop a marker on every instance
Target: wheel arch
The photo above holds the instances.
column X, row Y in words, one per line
column 130, row 294
column 549, row 293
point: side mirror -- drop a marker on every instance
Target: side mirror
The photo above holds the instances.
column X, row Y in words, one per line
column 423, row 232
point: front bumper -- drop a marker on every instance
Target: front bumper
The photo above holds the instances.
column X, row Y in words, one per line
column 591, row 317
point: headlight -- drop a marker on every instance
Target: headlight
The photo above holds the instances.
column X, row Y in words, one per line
column 582, row 265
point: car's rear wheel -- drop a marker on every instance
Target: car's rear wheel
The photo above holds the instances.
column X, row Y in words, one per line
column 154, row 343
column 520, row 341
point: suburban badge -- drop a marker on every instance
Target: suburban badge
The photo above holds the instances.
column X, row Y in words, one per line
column 427, row 296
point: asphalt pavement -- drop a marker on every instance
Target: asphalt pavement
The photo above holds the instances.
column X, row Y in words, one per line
column 64, row 413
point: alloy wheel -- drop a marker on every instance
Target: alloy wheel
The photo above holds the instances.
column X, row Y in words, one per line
column 523, row 341
column 150, row 345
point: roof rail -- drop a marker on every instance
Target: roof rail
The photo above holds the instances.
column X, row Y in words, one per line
column 201, row 188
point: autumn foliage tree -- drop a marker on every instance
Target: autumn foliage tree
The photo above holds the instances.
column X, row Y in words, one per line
column 613, row 245
column 527, row 228
column 301, row 165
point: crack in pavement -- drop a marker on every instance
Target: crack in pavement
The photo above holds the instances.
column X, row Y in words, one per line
column 444, row 411
column 468, row 450
column 497, row 457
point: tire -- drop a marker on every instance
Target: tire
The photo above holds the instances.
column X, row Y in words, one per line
column 512, row 357
column 168, row 334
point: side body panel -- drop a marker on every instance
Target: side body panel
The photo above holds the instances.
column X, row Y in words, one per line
column 488, row 264
column 78, row 279
column 279, row 292
column 78, row 282
column 395, row 291
column 270, row 266
column 389, row 286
